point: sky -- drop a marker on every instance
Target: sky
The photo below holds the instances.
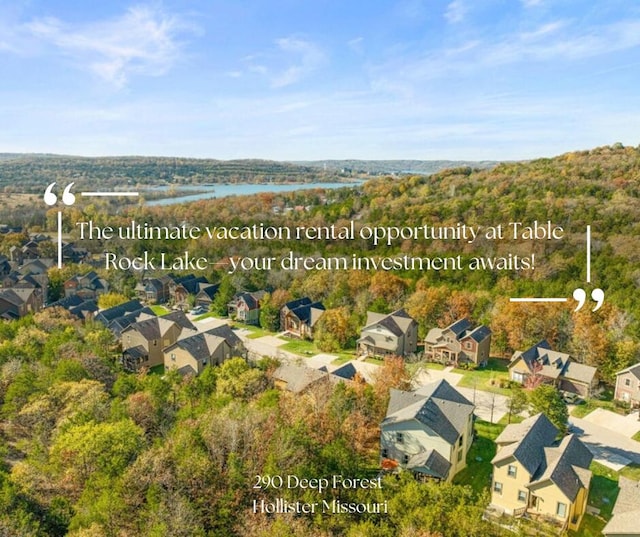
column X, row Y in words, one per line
column 319, row 79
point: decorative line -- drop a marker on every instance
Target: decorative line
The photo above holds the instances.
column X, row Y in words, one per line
column 537, row 299
column 59, row 239
column 588, row 254
column 109, row 194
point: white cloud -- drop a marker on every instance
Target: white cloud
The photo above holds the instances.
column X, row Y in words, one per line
column 307, row 58
column 143, row 41
column 455, row 12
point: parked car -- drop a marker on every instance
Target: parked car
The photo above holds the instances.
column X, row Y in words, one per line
column 198, row 310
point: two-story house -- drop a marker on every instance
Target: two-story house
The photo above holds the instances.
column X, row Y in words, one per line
column 245, row 307
column 395, row 333
column 628, row 385
column 428, row 431
column 143, row 342
column 535, row 474
column 299, row 317
column 193, row 351
column 458, row 343
column 552, row 367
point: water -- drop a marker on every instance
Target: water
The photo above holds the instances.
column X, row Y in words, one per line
column 245, row 189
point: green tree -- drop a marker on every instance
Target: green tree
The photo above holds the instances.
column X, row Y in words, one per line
column 546, row 399
column 223, row 297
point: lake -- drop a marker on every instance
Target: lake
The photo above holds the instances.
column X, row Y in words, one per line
column 246, row 189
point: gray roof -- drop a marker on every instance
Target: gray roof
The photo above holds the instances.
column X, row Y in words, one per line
column 397, row 322
column 199, row 345
column 480, row 333
column 438, row 406
column 626, row 511
column 579, row 372
column 430, row 462
column 224, row 331
column 567, row 466
column 634, row 370
column 525, row 442
column 298, row 377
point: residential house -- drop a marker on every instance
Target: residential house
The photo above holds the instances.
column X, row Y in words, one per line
column 245, row 307
column 18, row 302
column 300, row 379
column 81, row 308
column 552, row 367
column 458, row 343
column 395, row 333
column 117, row 318
column 143, row 341
column 184, row 287
column 428, row 431
column 536, row 475
column 299, row 317
column 194, row 350
column 155, row 290
column 628, row 385
column 625, row 521
column 206, row 294
column 86, row 286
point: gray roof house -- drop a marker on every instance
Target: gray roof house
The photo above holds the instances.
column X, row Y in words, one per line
column 552, row 367
column 535, row 474
column 428, row 431
column 394, row 333
column 625, row 521
column 458, row 342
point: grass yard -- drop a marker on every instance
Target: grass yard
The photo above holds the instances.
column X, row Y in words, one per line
column 591, row 526
column 492, row 378
column 631, row 471
column 636, row 437
column 477, row 474
column 300, row 346
column 604, row 489
column 157, row 369
column 254, row 331
column 159, row 310
column 580, row 411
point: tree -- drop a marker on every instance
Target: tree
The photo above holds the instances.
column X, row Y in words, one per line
column 223, row 297
column 334, row 330
column 546, row 399
column 110, row 300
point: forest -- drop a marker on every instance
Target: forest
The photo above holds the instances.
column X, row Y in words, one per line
column 90, row 450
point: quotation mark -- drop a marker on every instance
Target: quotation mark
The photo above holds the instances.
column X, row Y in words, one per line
column 580, row 296
column 67, row 196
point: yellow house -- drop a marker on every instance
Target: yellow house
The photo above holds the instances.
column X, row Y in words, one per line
column 534, row 474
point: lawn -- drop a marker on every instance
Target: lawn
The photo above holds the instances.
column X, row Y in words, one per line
column 591, row 526
column 159, row 310
column 580, row 411
column 636, row 437
column 604, row 489
column 157, row 369
column 254, row 331
column 478, row 471
column 492, row 378
column 631, row 471
column 301, row 347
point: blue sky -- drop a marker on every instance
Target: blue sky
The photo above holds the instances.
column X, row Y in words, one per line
column 316, row 79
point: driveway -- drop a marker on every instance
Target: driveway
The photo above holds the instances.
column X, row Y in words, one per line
column 625, row 425
column 609, row 447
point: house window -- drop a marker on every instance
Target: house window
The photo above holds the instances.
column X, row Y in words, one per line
column 399, row 438
column 173, row 356
column 522, row 496
column 561, row 510
column 459, row 455
column 467, row 345
column 405, row 459
column 512, row 470
column 517, row 377
column 385, row 453
column 627, row 382
column 497, row 487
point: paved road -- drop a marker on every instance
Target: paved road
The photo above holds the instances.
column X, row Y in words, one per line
column 609, row 447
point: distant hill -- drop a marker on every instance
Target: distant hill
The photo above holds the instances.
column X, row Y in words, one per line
column 381, row 167
column 28, row 172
